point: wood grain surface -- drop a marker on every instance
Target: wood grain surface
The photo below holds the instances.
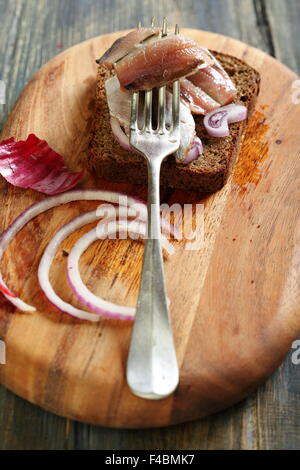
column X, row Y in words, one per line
column 256, row 417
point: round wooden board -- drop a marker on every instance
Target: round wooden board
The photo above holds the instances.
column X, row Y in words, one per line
column 234, row 302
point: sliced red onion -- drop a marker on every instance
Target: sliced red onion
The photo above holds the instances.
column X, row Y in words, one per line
column 120, row 135
column 31, row 163
column 43, row 206
column 64, row 198
column 236, row 112
column 85, row 296
column 5, row 290
column 194, row 152
column 46, row 261
column 111, row 213
column 216, row 122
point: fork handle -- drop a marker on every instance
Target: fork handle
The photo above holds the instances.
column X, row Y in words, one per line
column 152, row 370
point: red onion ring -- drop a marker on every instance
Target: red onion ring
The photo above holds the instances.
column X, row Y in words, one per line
column 46, row 261
column 54, row 201
column 50, row 251
column 216, row 122
column 86, row 297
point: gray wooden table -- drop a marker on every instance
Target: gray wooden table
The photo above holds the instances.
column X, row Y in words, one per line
column 31, row 33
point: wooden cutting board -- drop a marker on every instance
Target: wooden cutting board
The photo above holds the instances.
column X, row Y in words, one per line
column 234, row 303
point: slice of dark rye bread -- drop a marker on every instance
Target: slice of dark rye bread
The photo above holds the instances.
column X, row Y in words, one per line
column 108, row 160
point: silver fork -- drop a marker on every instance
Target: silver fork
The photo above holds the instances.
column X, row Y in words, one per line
column 152, row 370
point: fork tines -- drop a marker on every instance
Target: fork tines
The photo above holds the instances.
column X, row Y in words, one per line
column 161, row 120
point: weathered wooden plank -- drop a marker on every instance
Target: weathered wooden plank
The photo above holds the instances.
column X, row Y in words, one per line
column 278, row 408
column 25, row 427
column 220, row 431
column 31, row 33
column 284, row 25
